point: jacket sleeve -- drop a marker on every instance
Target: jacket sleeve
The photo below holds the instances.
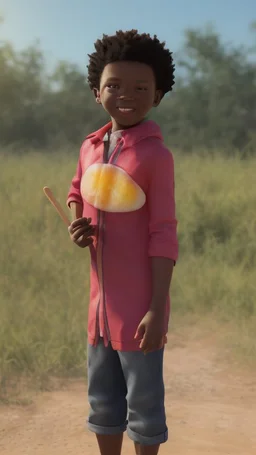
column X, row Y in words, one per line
column 163, row 240
column 74, row 194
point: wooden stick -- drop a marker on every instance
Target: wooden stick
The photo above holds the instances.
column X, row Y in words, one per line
column 49, row 194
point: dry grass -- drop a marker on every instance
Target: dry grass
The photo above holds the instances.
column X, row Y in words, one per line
column 44, row 281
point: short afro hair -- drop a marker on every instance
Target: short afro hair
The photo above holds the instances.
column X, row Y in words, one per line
column 132, row 46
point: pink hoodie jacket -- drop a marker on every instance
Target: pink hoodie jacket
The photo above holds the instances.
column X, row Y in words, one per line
column 120, row 293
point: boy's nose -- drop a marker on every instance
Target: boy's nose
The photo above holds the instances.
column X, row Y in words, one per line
column 126, row 97
column 126, row 92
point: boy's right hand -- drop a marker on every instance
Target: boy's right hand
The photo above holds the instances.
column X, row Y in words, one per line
column 81, row 232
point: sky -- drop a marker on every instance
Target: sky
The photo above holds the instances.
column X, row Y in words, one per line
column 67, row 29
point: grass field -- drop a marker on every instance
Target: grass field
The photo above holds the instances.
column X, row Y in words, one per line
column 44, row 278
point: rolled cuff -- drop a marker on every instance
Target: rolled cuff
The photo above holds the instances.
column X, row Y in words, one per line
column 76, row 199
column 163, row 250
column 147, row 440
column 97, row 429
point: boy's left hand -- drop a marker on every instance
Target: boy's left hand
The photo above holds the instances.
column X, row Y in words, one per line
column 151, row 331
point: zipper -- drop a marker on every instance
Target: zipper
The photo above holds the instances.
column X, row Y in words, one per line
column 99, row 269
column 97, row 326
column 100, row 330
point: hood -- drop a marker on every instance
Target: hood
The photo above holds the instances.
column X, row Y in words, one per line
column 132, row 135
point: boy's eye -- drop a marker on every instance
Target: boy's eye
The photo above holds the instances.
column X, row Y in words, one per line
column 113, row 86
column 142, row 89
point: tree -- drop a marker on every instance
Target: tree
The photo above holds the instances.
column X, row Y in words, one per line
column 22, row 89
column 213, row 103
column 70, row 105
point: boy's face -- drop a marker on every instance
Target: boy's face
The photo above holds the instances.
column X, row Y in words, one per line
column 127, row 92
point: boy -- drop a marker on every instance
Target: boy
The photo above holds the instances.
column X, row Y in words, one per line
column 123, row 208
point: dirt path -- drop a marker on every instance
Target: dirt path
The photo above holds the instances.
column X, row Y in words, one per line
column 211, row 410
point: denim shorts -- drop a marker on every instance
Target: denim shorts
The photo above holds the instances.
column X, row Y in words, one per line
column 126, row 392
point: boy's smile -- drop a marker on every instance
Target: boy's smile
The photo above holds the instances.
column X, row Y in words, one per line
column 127, row 92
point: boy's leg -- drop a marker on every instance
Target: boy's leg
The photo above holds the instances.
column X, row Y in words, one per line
column 107, row 398
column 146, row 410
column 110, row 443
column 146, row 450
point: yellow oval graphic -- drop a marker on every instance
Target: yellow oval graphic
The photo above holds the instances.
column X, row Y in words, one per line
column 109, row 188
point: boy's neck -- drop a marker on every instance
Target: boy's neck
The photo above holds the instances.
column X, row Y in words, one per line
column 116, row 127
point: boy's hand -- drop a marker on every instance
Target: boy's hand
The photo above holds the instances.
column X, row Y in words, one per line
column 81, row 232
column 151, row 331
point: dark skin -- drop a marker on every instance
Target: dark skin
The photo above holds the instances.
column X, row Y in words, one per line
column 80, row 230
column 128, row 92
column 151, row 329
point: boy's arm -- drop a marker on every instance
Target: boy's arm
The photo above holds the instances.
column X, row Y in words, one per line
column 76, row 210
column 74, row 199
column 162, row 269
column 163, row 243
column 163, row 249
column 80, row 230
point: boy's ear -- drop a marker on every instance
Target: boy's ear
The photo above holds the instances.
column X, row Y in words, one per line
column 158, row 98
column 97, row 95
